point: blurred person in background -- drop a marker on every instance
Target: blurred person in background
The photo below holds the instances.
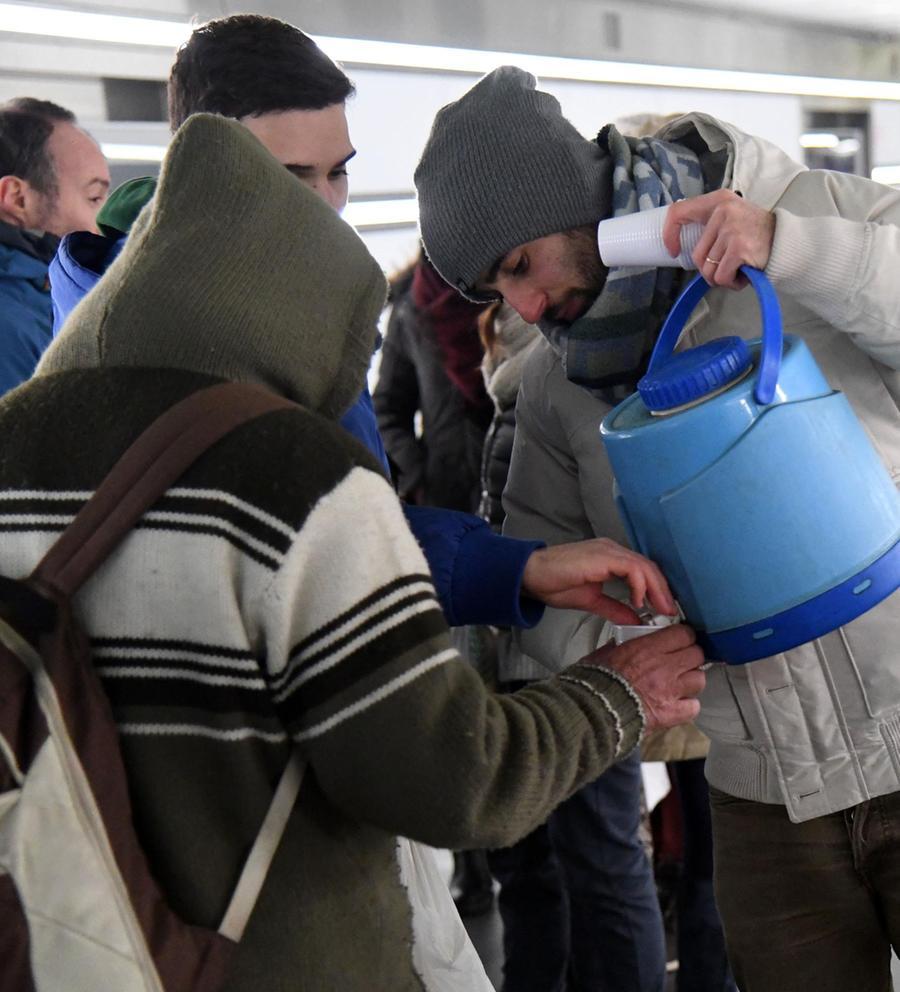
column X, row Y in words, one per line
column 53, row 179
column 430, row 370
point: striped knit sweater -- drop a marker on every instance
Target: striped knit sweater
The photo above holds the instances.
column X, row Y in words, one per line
column 275, row 593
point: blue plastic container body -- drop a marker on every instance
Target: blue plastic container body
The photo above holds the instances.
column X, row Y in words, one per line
column 773, row 521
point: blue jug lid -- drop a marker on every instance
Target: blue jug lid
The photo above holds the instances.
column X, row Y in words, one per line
column 690, row 375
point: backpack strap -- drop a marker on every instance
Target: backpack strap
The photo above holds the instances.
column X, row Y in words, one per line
column 159, row 456
column 259, row 860
column 157, row 459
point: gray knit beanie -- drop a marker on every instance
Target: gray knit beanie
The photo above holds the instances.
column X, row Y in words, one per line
column 238, row 270
column 502, row 167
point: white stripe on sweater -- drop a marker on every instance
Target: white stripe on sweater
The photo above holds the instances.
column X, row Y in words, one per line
column 355, row 644
column 174, row 654
column 198, row 519
column 198, row 730
column 248, row 508
column 378, row 695
column 54, row 494
column 363, row 616
column 116, row 672
column 179, row 491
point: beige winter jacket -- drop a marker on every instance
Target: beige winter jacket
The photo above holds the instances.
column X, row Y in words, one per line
column 816, row 728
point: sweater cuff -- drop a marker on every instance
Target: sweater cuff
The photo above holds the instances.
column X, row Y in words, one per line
column 489, row 563
column 816, row 257
column 619, row 698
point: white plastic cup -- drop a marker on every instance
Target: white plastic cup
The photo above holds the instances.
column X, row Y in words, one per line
column 636, row 239
column 620, row 633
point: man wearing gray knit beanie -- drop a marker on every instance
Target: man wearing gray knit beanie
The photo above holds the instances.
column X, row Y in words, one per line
column 507, row 210
column 504, row 167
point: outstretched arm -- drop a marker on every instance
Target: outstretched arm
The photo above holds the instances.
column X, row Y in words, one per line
column 399, row 731
column 571, row 576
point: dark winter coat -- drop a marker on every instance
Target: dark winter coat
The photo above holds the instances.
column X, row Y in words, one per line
column 512, row 343
column 439, row 465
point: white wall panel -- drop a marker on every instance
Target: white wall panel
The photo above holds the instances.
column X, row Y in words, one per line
column 393, row 249
column 591, row 105
column 84, row 97
column 391, row 116
column 666, row 31
column 64, row 57
column 885, row 133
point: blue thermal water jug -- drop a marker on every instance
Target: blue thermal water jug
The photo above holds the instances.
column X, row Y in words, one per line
column 754, row 487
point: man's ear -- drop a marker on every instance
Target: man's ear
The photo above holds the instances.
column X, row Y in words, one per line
column 18, row 201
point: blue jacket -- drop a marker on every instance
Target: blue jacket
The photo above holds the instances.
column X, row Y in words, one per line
column 477, row 574
column 25, row 307
column 77, row 266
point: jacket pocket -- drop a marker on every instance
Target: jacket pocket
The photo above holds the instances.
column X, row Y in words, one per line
column 720, row 716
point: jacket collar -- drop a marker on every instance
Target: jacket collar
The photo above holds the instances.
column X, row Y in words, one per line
column 41, row 247
column 751, row 161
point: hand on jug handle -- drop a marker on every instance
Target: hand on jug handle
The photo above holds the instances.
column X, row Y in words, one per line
column 735, row 233
column 663, row 668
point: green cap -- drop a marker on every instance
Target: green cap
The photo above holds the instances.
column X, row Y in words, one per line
column 124, row 204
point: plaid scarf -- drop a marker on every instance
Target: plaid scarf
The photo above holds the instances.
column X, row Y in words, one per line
column 607, row 349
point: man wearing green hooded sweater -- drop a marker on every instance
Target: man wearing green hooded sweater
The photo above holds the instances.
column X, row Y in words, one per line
column 275, row 599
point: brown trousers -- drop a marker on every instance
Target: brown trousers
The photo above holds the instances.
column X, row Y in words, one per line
column 808, row 907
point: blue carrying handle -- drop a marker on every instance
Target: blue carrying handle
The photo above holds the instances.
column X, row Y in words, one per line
column 770, row 359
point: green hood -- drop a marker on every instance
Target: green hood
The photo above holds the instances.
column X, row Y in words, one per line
column 237, row 270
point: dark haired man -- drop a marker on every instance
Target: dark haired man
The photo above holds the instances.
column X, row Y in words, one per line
column 53, row 179
column 279, row 84
column 804, row 765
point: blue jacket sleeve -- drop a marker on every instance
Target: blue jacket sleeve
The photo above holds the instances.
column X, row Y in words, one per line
column 477, row 573
column 359, row 420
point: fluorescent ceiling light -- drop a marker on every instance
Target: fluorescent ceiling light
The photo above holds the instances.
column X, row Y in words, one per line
column 382, row 213
column 59, row 23
column 117, row 152
column 830, row 142
column 887, row 174
column 54, row 22
column 848, row 146
column 817, row 139
column 382, row 53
